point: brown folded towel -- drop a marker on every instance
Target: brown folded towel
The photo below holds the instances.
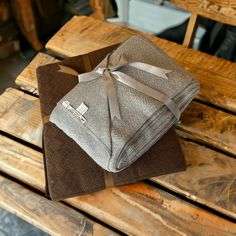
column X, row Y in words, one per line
column 69, row 170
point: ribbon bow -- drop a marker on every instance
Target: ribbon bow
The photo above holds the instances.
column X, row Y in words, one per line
column 109, row 72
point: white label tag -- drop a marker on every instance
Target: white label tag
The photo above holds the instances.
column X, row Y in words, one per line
column 77, row 112
column 82, row 108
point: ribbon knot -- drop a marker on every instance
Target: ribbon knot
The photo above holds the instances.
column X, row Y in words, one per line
column 110, row 72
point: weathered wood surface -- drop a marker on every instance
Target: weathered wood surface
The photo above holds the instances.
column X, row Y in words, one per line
column 22, row 163
column 137, row 209
column 29, row 119
column 218, row 81
column 20, row 116
column 209, row 178
column 218, row 10
column 82, row 33
column 199, row 122
column 27, row 78
column 209, row 125
column 161, row 212
column 52, row 217
column 217, row 76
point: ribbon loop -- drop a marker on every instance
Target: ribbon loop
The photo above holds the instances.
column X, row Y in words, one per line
column 108, row 73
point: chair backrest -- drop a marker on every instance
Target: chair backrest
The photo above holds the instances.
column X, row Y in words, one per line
column 102, row 9
column 223, row 11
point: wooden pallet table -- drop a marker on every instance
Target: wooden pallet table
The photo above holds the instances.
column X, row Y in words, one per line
column 198, row 201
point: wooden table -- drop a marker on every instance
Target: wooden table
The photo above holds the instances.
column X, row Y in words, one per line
column 198, row 201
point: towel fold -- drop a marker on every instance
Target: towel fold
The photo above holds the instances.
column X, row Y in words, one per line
column 115, row 144
column 69, row 171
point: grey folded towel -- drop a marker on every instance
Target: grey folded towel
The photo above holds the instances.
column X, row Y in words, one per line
column 115, row 144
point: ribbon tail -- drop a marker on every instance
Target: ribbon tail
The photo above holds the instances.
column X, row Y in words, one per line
column 89, row 76
column 160, row 72
column 112, row 96
column 163, row 73
column 67, row 70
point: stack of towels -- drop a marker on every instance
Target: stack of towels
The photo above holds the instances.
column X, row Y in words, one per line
column 119, row 111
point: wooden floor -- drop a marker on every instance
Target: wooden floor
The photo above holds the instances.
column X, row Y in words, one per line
column 198, row 201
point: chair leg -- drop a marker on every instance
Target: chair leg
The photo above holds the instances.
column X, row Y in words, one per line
column 191, row 30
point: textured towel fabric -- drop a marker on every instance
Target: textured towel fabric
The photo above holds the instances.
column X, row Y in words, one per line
column 116, row 144
column 69, row 170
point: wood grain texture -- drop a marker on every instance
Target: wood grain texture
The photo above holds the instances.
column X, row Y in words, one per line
column 52, row 217
column 221, row 11
column 224, row 208
column 216, row 76
column 162, row 213
column 20, row 116
column 209, row 125
column 137, row 209
column 21, row 162
column 209, row 179
column 27, row 78
column 86, row 34
column 199, row 122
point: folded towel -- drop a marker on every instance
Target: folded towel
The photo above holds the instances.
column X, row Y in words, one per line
column 69, row 171
column 84, row 113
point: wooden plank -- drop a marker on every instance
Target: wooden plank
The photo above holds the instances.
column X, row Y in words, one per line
column 11, row 116
column 191, row 31
column 209, row 125
column 216, row 88
column 222, row 11
column 24, row 164
column 27, row 78
column 217, row 76
column 86, row 34
column 199, row 122
column 52, row 217
column 137, row 209
column 209, row 178
column 20, row 116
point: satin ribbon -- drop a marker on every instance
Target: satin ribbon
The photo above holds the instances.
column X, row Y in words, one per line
column 109, row 72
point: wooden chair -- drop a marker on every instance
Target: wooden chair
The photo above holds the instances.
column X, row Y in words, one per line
column 221, row 11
